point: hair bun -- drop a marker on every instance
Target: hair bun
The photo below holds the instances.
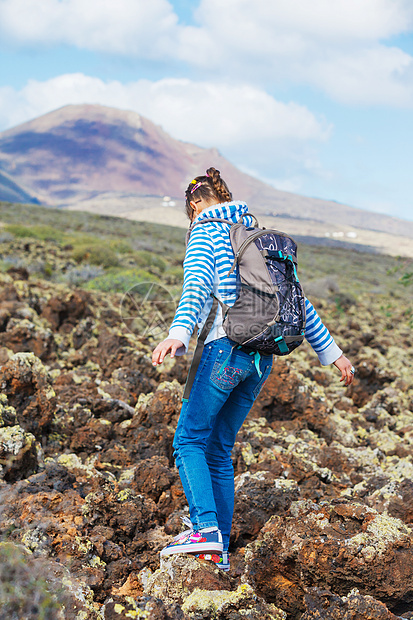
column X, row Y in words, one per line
column 213, row 173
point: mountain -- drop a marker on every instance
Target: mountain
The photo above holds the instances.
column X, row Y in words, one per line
column 79, row 151
column 108, row 160
column 10, row 191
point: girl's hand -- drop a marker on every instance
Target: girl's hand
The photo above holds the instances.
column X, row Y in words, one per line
column 347, row 370
column 170, row 345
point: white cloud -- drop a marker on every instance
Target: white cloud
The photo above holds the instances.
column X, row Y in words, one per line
column 377, row 75
column 210, row 114
column 320, row 19
column 132, row 27
column 337, row 47
column 127, row 26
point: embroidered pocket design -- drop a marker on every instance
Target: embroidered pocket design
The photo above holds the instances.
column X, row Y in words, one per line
column 227, row 377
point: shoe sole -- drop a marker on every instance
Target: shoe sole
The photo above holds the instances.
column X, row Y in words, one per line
column 224, row 567
column 193, row 548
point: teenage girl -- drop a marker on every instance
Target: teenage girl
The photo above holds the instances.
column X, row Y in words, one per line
column 227, row 381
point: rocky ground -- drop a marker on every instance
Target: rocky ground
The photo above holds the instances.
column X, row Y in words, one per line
column 89, row 493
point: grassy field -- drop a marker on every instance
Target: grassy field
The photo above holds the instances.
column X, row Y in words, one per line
column 111, row 254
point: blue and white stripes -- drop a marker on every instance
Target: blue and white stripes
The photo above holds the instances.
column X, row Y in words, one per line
column 319, row 337
column 208, row 259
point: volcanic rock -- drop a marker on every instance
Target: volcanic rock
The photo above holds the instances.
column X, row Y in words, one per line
column 65, row 311
column 324, row 495
column 18, row 453
column 26, row 335
column 28, row 387
column 338, row 544
column 179, row 575
column 224, row 605
column 258, row 496
column 328, row 606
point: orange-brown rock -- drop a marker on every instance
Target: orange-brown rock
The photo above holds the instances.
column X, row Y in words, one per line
column 339, row 544
column 64, row 311
column 18, row 453
column 258, row 496
column 181, row 574
column 25, row 335
column 323, row 604
column 28, row 387
column 320, row 469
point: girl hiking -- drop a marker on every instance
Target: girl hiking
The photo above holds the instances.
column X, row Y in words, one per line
column 228, row 378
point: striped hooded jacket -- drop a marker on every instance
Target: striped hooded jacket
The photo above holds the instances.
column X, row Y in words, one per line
column 208, row 260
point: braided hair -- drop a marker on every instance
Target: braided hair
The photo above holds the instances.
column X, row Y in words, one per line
column 209, row 187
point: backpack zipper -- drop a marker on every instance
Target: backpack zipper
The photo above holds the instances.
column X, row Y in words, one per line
column 261, row 333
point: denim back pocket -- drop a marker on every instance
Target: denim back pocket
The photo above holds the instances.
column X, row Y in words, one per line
column 229, row 370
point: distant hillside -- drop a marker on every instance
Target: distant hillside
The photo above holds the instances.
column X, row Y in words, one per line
column 111, row 253
column 84, row 153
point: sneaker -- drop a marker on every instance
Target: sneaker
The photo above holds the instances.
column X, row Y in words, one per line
column 206, row 540
column 221, row 560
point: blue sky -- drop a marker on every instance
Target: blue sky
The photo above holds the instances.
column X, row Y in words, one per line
column 312, row 96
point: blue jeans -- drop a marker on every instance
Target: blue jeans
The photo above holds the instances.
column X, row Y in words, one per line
column 225, row 387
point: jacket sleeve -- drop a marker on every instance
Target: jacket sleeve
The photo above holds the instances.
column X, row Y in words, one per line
column 199, row 269
column 319, row 337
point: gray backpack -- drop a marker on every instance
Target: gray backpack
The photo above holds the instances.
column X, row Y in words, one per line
column 268, row 315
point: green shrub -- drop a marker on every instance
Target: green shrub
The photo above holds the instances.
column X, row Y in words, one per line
column 120, row 246
column 174, row 275
column 406, row 279
column 119, row 280
column 96, row 253
column 23, row 591
column 75, row 239
column 4, row 265
column 146, row 259
column 78, row 275
column 43, row 233
column 48, row 270
column 18, row 230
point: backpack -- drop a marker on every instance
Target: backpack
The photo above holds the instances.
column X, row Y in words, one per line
column 268, row 315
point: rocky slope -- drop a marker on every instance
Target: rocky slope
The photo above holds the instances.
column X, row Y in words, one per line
column 89, row 493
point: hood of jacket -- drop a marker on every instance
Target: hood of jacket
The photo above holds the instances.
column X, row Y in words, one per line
column 231, row 211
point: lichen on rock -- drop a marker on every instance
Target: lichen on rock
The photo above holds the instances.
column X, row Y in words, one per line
column 338, row 544
column 324, row 492
column 18, row 453
column 28, row 387
column 225, row 605
column 8, row 416
column 179, row 575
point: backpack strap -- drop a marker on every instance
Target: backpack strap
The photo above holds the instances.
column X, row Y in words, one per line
column 199, row 348
column 212, row 313
column 240, row 221
column 218, row 219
